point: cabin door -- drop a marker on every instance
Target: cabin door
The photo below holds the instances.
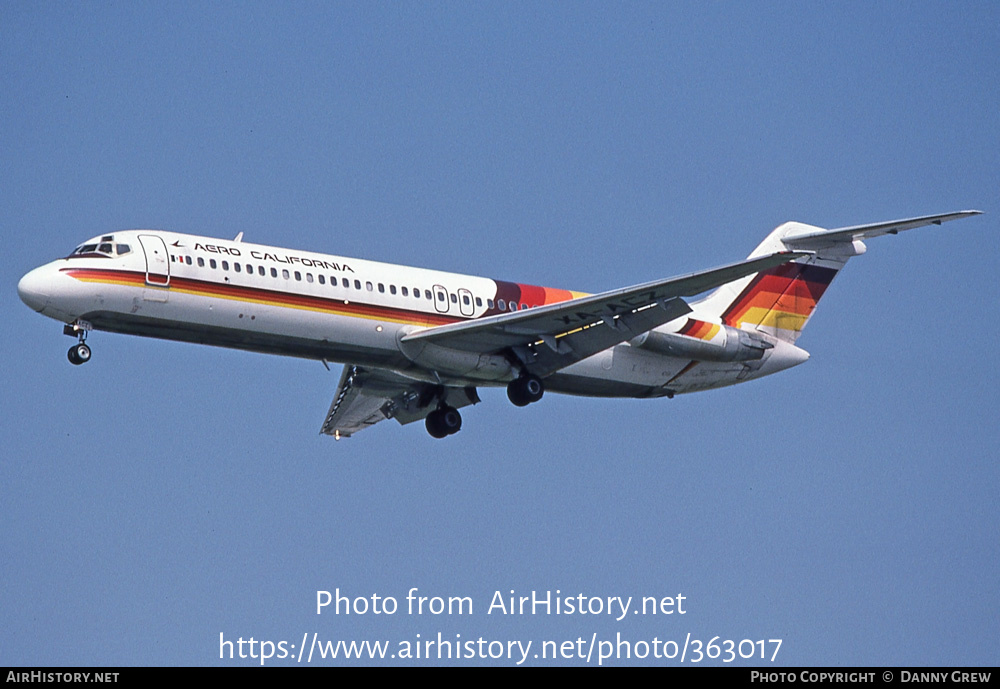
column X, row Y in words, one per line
column 157, row 262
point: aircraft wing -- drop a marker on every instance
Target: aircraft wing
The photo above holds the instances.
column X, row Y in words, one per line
column 827, row 238
column 366, row 396
column 548, row 338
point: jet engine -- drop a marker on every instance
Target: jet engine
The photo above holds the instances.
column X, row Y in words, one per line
column 728, row 344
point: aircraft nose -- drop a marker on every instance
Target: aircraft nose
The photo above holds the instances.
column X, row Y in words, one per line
column 33, row 289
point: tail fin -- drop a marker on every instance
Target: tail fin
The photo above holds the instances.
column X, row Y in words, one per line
column 779, row 301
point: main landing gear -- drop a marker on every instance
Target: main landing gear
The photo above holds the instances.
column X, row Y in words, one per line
column 443, row 421
column 80, row 352
column 525, row 390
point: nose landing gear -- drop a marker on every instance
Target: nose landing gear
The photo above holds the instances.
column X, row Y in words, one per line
column 80, row 352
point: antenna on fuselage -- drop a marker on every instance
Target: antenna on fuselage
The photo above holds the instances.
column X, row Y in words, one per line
column 239, row 237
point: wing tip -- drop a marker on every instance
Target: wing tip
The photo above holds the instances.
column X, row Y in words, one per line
column 335, row 433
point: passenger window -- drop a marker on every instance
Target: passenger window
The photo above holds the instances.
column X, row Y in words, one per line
column 309, row 277
column 479, row 301
column 392, row 289
column 237, row 267
column 285, row 274
column 261, row 271
column 345, row 282
column 298, row 276
column 381, row 288
column 225, row 265
column 465, row 300
column 274, row 272
column 322, row 279
column 406, row 292
column 427, row 295
column 212, row 264
column 369, row 286
column 513, row 306
column 501, row 304
column 201, row 262
column 357, row 284
column 489, row 303
column 249, row 268
column 454, row 299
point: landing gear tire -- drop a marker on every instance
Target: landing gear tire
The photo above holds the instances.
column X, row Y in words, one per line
column 443, row 422
column 78, row 354
column 525, row 390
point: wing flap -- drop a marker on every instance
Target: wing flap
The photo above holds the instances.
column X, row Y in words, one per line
column 366, row 396
column 596, row 337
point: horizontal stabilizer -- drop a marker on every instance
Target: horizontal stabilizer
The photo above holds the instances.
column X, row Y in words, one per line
column 819, row 240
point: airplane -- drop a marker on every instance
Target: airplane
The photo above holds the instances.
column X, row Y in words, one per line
column 417, row 344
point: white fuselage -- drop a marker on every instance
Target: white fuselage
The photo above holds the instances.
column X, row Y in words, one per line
column 330, row 308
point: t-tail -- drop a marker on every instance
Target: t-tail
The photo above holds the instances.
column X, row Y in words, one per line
column 779, row 301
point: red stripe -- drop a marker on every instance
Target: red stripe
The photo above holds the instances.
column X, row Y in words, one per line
column 281, row 298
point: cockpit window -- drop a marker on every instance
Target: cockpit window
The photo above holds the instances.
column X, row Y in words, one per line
column 106, row 248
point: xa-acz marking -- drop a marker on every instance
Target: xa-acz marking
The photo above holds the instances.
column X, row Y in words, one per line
column 417, row 344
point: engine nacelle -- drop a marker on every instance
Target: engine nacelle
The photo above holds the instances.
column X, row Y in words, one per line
column 727, row 344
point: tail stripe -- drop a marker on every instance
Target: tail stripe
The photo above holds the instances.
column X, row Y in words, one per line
column 782, row 297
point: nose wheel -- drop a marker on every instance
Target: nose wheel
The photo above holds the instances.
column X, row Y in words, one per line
column 79, row 354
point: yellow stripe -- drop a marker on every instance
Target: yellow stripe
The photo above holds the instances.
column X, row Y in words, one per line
column 773, row 318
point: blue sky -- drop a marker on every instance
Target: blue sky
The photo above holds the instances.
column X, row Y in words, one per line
column 165, row 492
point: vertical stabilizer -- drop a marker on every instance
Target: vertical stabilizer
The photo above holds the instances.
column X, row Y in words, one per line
column 780, row 300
